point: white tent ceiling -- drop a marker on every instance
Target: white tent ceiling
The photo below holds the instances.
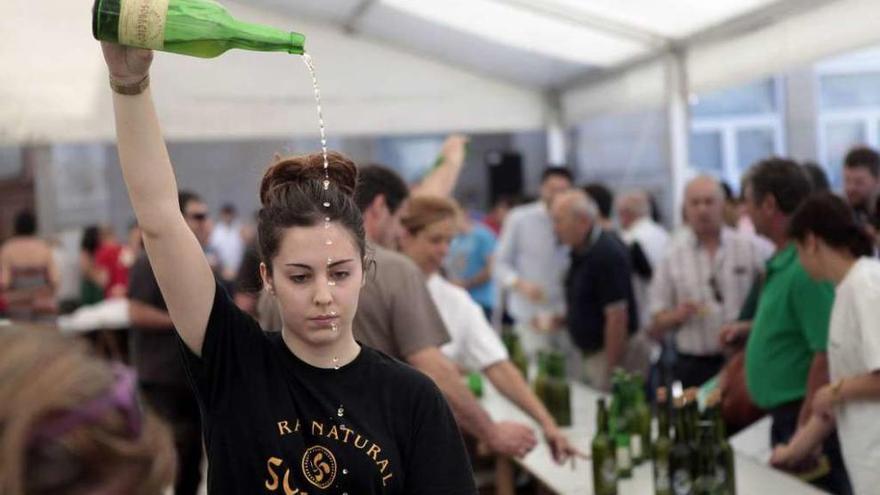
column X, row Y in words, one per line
column 398, row 66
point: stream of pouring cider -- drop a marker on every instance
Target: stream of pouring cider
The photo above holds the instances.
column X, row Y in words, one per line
column 200, row 28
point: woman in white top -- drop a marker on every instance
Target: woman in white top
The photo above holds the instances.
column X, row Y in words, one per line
column 430, row 225
column 833, row 247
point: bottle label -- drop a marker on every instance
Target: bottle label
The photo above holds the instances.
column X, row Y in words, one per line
column 636, row 446
column 624, row 461
column 661, row 476
column 142, row 23
column 609, row 472
column 681, row 482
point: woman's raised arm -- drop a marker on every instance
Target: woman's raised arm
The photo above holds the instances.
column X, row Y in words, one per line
column 180, row 266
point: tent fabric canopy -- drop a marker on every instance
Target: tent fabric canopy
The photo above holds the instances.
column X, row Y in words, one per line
column 417, row 66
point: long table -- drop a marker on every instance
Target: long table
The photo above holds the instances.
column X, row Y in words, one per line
column 752, row 477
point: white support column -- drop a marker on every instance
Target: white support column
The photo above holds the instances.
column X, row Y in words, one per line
column 679, row 129
column 557, row 138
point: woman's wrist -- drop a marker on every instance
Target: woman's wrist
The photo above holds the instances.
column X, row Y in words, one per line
column 548, row 425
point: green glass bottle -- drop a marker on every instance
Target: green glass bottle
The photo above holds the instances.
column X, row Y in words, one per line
column 201, row 28
column 692, row 417
column 604, row 465
column 725, row 469
column 558, row 389
column 623, row 455
column 662, row 447
column 642, row 414
column 706, row 483
column 637, row 444
column 681, row 457
column 514, row 348
column 475, row 383
column 539, row 384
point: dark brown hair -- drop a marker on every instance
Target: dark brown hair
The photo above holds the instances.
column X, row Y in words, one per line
column 865, row 157
column 293, row 195
column 829, row 218
column 782, row 178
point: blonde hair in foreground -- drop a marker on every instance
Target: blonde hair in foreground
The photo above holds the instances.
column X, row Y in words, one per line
column 45, row 382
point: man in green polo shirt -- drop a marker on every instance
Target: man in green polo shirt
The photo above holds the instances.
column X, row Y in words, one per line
column 786, row 360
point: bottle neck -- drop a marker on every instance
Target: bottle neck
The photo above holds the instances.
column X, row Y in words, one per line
column 715, row 416
column 263, row 38
column 602, row 421
column 680, row 429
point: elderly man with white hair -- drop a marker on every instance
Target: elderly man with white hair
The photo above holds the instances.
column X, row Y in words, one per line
column 601, row 311
column 702, row 283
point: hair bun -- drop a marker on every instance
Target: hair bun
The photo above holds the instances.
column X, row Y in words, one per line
column 302, row 169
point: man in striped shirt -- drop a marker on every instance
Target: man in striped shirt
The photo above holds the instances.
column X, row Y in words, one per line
column 702, row 283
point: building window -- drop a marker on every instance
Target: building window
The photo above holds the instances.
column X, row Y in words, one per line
column 734, row 128
column 849, row 108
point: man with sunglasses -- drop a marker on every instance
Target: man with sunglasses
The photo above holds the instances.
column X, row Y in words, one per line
column 156, row 356
column 701, row 284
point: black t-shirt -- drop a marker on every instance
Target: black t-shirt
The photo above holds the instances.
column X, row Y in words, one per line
column 154, row 351
column 599, row 276
column 274, row 424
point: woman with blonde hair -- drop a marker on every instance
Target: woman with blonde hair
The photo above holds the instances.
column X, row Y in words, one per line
column 429, row 226
column 71, row 423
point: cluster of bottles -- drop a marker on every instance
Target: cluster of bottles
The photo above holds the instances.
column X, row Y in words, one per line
column 690, row 457
column 550, row 383
column 623, row 437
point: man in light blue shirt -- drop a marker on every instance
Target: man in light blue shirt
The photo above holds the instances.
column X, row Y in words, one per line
column 469, row 262
column 530, row 266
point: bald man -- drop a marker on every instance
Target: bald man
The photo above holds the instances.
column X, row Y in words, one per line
column 702, row 283
column 601, row 310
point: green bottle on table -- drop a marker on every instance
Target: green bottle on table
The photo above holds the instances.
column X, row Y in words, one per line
column 514, row 348
column 201, row 28
column 682, row 456
column 706, row 483
column 725, row 469
column 475, row 383
column 662, row 446
column 643, row 415
column 603, row 450
column 558, row 389
column 542, row 377
column 637, row 449
column 692, row 417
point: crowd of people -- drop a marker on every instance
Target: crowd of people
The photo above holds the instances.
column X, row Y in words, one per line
column 277, row 347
